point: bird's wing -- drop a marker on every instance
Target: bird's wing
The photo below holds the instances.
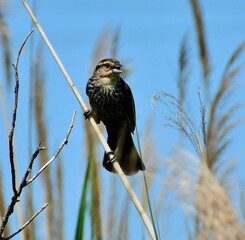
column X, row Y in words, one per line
column 92, row 111
column 87, row 88
column 130, row 107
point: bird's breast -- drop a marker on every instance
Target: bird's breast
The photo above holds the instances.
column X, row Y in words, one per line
column 108, row 103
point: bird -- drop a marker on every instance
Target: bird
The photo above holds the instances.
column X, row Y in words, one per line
column 112, row 103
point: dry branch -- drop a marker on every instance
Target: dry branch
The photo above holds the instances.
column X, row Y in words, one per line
column 27, row 223
column 15, row 197
column 11, row 134
column 25, row 182
column 64, row 142
column 18, row 191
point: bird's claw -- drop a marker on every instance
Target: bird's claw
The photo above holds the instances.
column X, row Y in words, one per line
column 87, row 113
column 110, row 157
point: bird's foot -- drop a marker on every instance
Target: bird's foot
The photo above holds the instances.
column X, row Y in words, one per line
column 87, row 113
column 110, row 157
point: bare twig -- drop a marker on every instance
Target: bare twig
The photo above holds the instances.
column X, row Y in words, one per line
column 65, row 141
column 11, row 149
column 103, row 141
column 24, row 182
column 33, row 157
column 27, row 223
column 15, row 197
column 11, row 134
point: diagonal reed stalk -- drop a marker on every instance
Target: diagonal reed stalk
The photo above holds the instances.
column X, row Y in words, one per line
column 117, row 167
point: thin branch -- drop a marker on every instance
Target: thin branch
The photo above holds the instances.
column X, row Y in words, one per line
column 11, row 149
column 65, row 141
column 33, row 157
column 11, row 134
column 103, row 141
column 27, row 223
column 21, row 48
column 15, row 197
column 24, row 181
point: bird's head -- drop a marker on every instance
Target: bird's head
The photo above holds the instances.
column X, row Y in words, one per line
column 108, row 68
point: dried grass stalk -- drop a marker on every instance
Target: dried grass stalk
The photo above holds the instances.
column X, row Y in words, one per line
column 184, row 69
column 201, row 39
column 215, row 210
column 204, row 198
column 59, row 201
column 3, row 205
column 42, row 135
column 5, row 42
column 95, row 180
column 221, row 115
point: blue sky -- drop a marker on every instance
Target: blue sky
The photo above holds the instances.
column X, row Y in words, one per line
column 150, row 36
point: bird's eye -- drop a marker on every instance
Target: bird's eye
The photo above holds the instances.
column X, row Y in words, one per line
column 107, row 65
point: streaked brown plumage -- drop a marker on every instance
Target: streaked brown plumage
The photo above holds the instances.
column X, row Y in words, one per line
column 112, row 103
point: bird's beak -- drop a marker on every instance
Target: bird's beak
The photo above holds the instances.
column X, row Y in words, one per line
column 117, row 69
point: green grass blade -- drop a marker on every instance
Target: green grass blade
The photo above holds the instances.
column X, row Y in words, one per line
column 82, row 208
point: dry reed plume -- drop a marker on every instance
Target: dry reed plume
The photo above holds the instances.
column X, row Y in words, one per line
column 203, row 197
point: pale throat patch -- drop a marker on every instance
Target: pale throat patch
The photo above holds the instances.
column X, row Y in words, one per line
column 108, row 82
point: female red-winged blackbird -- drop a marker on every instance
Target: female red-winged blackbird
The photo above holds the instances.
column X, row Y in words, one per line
column 112, row 103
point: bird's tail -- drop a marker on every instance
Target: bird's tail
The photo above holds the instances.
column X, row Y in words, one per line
column 122, row 144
